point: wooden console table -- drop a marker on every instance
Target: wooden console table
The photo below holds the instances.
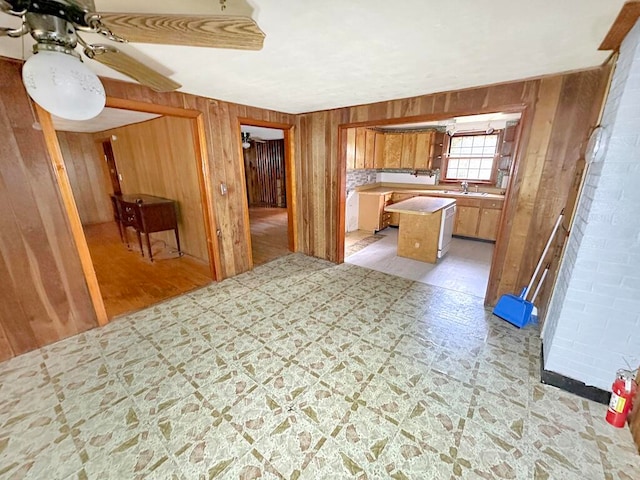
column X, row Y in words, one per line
column 146, row 214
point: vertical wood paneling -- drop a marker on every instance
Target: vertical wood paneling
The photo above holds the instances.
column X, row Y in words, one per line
column 544, row 115
column 265, row 172
column 225, row 159
column 87, row 175
column 157, row 157
column 43, row 296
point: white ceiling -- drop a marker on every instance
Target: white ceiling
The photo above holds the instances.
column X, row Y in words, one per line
column 262, row 133
column 332, row 53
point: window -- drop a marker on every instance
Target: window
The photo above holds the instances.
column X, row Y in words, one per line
column 471, row 157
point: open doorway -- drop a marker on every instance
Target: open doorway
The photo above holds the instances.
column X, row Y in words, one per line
column 147, row 160
column 468, row 159
column 265, row 153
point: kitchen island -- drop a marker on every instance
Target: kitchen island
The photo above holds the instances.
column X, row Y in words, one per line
column 425, row 222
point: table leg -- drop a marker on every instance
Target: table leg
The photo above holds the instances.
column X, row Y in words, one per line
column 175, row 230
column 149, row 247
column 140, row 242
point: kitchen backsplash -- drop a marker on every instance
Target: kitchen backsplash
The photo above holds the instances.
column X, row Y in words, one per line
column 356, row 178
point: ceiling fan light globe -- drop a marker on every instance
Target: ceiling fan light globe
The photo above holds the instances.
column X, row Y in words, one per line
column 63, row 85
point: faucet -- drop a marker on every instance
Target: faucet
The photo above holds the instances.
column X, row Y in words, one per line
column 465, row 187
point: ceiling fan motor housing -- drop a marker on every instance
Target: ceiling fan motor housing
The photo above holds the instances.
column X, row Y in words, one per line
column 72, row 11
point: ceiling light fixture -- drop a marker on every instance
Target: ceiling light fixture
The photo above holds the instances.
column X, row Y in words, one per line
column 245, row 140
column 60, row 83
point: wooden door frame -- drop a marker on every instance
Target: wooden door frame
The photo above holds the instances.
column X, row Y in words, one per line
column 342, row 168
column 102, row 142
column 290, row 183
column 71, row 210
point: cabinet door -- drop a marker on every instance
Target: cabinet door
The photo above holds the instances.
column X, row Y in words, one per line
column 392, row 150
column 369, row 211
column 423, row 150
column 378, row 161
column 361, row 147
column 489, row 223
column 466, row 221
column 351, row 148
column 370, row 149
column 408, row 156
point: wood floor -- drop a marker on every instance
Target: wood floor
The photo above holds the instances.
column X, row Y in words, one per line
column 269, row 238
column 129, row 282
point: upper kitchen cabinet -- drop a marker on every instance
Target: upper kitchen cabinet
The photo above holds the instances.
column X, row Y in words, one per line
column 393, row 150
column 372, row 149
column 361, row 145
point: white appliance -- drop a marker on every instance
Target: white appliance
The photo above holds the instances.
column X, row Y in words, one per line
column 446, row 229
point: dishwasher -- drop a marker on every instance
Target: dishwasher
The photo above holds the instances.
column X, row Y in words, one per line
column 446, row 229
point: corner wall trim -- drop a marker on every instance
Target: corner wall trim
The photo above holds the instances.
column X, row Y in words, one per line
column 572, row 386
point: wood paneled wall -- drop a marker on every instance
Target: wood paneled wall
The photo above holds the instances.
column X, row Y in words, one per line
column 44, row 297
column 222, row 128
column 88, row 176
column 157, row 157
column 265, row 172
column 558, row 112
column 43, row 294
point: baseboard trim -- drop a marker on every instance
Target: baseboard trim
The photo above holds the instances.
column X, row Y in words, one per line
column 572, row 386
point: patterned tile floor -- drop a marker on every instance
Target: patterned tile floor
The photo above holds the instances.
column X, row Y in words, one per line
column 302, row 370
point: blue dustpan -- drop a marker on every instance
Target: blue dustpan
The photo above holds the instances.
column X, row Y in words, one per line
column 514, row 309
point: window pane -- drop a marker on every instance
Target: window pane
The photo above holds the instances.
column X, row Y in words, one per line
column 471, row 157
column 487, row 163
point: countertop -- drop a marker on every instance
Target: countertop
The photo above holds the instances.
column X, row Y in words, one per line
column 420, row 205
column 383, row 190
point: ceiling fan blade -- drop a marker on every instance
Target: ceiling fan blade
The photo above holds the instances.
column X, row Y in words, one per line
column 129, row 66
column 216, row 31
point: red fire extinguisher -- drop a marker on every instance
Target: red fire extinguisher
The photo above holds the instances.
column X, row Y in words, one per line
column 623, row 390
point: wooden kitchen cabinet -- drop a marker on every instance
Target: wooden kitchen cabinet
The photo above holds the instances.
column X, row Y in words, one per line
column 394, row 221
column 361, row 148
column 489, row 221
column 408, row 152
column 466, row 223
column 423, row 149
column 378, row 160
column 371, row 214
column 392, row 150
column 370, row 149
column 478, row 218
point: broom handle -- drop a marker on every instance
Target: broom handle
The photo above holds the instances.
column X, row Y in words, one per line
column 544, row 274
column 544, row 253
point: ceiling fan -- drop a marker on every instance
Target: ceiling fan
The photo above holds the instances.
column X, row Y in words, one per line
column 57, row 27
column 247, row 138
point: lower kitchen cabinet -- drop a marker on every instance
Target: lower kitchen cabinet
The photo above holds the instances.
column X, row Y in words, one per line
column 371, row 214
column 466, row 223
column 477, row 218
column 489, row 222
column 395, row 198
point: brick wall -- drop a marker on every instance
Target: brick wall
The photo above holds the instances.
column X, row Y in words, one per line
column 593, row 320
